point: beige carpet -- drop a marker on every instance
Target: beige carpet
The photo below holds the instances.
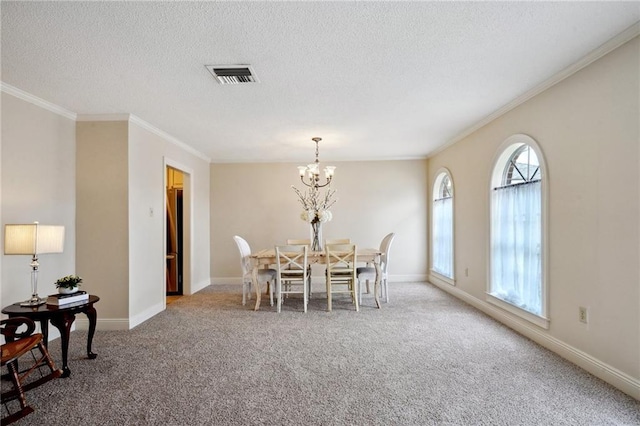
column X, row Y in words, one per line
column 424, row 359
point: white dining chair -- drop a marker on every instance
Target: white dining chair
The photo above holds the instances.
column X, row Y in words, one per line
column 341, row 271
column 306, row 242
column 337, row 241
column 292, row 269
column 268, row 276
column 368, row 273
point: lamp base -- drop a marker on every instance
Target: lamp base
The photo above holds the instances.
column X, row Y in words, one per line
column 34, row 301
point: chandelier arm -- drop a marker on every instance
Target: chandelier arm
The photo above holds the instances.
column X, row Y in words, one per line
column 310, row 185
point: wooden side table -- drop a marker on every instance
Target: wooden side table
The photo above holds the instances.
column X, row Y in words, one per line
column 62, row 318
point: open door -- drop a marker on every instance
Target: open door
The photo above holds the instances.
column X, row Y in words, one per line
column 175, row 232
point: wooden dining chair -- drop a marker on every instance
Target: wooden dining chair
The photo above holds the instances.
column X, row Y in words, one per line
column 23, row 343
column 365, row 274
column 292, row 269
column 264, row 275
column 341, row 272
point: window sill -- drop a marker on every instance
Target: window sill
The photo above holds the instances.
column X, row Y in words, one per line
column 444, row 279
column 540, row 321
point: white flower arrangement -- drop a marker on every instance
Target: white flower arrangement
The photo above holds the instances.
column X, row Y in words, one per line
column 315, row 207
column 325, row 215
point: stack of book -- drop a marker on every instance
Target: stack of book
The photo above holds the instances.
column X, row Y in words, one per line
column 63, row 299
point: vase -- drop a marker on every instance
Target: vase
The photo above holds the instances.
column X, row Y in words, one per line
column 316, row 236
column 66, row 290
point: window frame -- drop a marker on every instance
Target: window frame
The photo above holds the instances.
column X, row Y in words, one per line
column 439, row 176
column 505, row 151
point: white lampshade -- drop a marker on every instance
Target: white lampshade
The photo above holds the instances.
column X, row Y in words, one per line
column 33, row 239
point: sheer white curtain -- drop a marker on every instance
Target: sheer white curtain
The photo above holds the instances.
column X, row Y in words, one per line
column 516, row 239
column 442, row 232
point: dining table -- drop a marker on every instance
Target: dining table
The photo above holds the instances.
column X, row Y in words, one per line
column 267, row 257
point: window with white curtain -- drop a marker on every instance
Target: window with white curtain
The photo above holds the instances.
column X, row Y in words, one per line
column 517, row 229
column 442, row 226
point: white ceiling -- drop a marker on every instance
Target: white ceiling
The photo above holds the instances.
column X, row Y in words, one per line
column 375, row 80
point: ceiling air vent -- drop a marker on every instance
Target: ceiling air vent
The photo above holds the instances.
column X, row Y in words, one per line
column 232, row 74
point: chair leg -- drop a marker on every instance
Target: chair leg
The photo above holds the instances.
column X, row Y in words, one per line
column 354, row 292
column 19, row 395
column 328, row 295
column 270, row 292
column 305, row 294
column 385, row 286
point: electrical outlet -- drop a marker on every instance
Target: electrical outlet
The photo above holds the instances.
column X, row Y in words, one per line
column 466, row 272
column 583, row 314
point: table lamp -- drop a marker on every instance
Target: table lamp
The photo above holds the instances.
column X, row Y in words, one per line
column 33, row 239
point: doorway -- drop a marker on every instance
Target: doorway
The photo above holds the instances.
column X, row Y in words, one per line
column 175, row 233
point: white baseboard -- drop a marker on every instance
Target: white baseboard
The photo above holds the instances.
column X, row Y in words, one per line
column 626, row 383
column 138, row 319
column 199, row 286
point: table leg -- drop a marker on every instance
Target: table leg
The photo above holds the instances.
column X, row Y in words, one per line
column 378, row 282
column 254, row 278
column 92, row 315
column 44, row 329
column 63, row 324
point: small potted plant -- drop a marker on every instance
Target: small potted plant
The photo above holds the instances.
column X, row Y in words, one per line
column 68, row 284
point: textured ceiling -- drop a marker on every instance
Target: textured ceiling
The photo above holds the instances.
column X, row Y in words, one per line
column 376, row 80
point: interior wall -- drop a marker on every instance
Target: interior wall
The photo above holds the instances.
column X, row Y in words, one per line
column 37, row 178
column 588, row 129
column 374, row 198
column 102, row 220
column 147, row 155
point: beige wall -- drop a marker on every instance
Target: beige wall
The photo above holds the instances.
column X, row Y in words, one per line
column 102, row 222
column 256, row 202
column 37, row 183
column 588, row 129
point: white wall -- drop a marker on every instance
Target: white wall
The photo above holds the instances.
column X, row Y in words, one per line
column 588, row 129
column 148, row 153
column 37, row 183
column 256, row 202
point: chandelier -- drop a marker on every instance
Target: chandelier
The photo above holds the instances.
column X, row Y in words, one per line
column 311, row 172
column 314, row 204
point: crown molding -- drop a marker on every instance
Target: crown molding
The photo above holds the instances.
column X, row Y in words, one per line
column 27, row 97
column 140, row 122
column 21, row 94
column 103, row 117
column 147, row 126
column 607, row 47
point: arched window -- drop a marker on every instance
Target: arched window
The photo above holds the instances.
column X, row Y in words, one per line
column 517, row 251
column 442, row 226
